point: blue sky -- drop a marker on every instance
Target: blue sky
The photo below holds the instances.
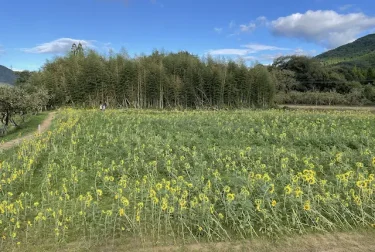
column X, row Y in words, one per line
column 32, row 32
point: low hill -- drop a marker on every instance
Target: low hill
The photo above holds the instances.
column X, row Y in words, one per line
column 7, row 75
column 360, row 53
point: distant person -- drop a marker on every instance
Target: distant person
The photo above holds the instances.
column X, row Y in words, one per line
column 101, row 106
column 104, row 106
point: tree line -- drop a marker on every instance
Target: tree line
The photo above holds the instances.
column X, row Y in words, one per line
column 183, row 80
column 304, row 80
column 160, row 80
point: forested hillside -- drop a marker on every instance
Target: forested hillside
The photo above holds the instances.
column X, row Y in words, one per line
column 7, row 75
column 360, row 53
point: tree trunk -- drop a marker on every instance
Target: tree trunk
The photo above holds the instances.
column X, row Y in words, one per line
column 7, row 117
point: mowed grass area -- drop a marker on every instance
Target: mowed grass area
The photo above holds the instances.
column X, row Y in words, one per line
column 167, row 178
column 29, row 126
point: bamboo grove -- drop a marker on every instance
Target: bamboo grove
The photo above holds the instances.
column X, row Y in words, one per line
column 160, row 80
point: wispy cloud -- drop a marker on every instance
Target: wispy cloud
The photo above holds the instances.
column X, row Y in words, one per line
column 259, row 52
column 232, row 24
column 248, row 27
column 346, row 7
column 2, row 50
column 302, row 52
column 107, row 47
column 218, row 30
column 259, row 47
column 61, row 45
column 262, row 20
column 249, row 49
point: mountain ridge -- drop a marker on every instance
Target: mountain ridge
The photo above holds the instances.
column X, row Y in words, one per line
column 360, row 53
column 7, row 76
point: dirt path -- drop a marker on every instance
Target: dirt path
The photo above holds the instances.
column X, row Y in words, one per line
column 326, row 107
column 360, row 241
column 43, row 127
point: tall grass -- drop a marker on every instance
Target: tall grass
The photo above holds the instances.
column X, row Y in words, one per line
column 182, row 176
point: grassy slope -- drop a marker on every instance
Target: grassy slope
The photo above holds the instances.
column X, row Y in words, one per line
column 27, row 127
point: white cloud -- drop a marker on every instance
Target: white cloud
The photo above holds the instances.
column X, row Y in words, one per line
column 346, row 7
column 61, row 45
column 239, row 52
column 250, row 49
column 262, row 20
column 260, row 47
column 218, row 30
column 248, row 28
column 327, row 28
column 18, row 69
column 302, row 52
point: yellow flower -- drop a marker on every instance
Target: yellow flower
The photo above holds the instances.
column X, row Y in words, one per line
column 266, row 177
column 171, row 209
column 121, row 212
column 272, row 189
column 359, row 165
column 307, row 206
column 298, row 192
column 221, row 216
column 357, row 200
column 258, row 203
column 152, row 193
column 159, row 186
column 164, row 204
column 362, row 184
column 140, row 205
column 155, row 200
column 182, row 202
column 274, row 203
column 226, row 189
column 124, row 201
column 288, row 189
column 99, row 192
column 230, row 197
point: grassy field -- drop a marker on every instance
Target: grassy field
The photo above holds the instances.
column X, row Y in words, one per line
column 184, row 177
column 30, row 125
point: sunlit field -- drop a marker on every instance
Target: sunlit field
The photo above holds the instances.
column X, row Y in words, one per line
column 180, row 177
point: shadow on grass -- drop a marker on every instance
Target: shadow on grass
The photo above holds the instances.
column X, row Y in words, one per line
column 29, row 126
